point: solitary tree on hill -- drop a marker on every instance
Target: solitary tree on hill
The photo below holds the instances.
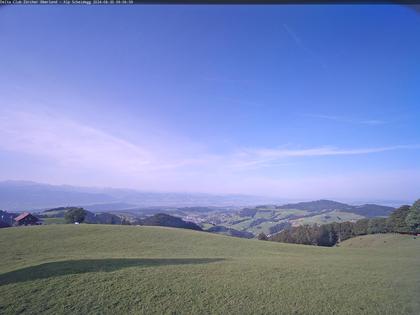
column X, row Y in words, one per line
column 262, row 237
column 75, row 215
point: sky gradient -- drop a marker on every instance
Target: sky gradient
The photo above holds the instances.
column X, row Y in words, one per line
column 285, row 101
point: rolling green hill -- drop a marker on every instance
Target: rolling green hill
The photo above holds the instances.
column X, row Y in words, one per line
column 271, row 219
column 367, row 210
column 329, row 217
column 108, row 269
column 162, row 219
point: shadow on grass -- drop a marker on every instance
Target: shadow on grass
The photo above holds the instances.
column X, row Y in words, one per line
column 71, row 267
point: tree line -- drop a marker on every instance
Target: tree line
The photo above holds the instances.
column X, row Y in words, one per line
column 405, row 219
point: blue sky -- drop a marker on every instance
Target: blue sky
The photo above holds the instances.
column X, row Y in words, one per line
column 286, row 101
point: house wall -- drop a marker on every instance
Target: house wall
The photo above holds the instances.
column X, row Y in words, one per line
column 29, row 220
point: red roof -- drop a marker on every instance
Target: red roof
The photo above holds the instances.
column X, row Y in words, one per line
column 22, row 216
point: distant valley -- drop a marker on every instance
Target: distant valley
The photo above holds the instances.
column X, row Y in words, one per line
column 243, row 222
column 233, row 215
column 271, row 219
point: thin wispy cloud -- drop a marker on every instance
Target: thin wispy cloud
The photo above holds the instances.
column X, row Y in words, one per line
column 299, row 42
column 376, row 184
column 263, row 157
column 68, row 142
column 73, row 144
column 220, row 79
column 372, row 122
column 242, row 102
column 295, row 38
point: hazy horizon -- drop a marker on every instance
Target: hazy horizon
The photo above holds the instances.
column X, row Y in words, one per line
column 305, row 102
column 249, row 199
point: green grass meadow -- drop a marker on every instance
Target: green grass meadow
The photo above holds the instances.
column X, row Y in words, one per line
column 100, row 269
column 53, row 221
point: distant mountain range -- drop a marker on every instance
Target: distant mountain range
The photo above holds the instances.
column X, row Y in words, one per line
column 26, row 195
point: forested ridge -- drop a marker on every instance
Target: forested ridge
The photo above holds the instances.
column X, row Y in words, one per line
column 405, row 219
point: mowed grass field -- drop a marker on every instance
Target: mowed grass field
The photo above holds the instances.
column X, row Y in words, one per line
column 100, row 269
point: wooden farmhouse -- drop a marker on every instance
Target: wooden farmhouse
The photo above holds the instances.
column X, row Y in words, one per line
column 26, row 219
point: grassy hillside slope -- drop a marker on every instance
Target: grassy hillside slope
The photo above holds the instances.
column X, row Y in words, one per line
column 389, row 241
column 126, row 269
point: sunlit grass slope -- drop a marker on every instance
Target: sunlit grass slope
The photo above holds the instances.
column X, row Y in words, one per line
column 102, row 269
column 395, row 242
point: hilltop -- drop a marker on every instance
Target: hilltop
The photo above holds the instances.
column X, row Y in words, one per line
column 56, row 215
column 316, row 206
column 367, row 210
column 156, row 270
column 162, row 219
